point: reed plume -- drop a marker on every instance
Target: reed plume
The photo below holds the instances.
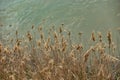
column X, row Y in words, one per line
column 29, row 36
column 56, row 57
column 100, row 36
column 93, row 36
column 109, row 36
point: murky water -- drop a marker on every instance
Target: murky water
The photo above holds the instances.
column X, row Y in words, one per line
column 77, row 15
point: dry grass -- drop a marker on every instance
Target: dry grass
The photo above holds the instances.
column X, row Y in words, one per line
column 56, row 58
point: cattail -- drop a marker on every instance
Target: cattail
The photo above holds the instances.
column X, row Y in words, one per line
column 29, row 36
column 6, row 50
column 16, row 48
column 56, row 38
column 39, row 43
column 80, row 34
column 109, row 36
column 16, row 32
column 60, row 30
column 12, row 77
column 3, row 59
column 69, row 33
column 32, row 26
column 93, row 36
column 100, row 36
column 0, row 47
column 55, row 35
column 40, row 28
column 41, row 36
column 79, row 47
column 62, row 24
column 18, row 42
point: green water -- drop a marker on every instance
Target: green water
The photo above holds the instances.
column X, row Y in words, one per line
column 76, row 15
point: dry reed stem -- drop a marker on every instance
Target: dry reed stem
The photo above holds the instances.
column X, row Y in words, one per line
column 87, row 53
column 109, row 58
column 56, row 60
column 101, row 71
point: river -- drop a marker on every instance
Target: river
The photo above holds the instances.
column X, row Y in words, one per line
column 76, row 15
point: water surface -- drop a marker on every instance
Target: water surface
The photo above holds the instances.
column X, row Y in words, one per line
column 76, row 15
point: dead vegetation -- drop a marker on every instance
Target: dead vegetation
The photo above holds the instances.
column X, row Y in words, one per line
column 54, row 57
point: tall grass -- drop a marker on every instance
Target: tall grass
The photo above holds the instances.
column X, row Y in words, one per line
column 55, row 57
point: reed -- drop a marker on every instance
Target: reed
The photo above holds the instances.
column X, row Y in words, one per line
column 57, row 58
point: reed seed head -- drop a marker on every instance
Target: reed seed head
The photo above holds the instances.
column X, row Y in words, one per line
column 55, row 35
column 79, row 47
column 69, row 33
column 16, row 32
column 3, row 59
column 6, row 50
column 29, row 36
column 100, row 36
column 41, row 36
column 93, row 36
column 32, row 26
column 39, row 43
column 109, row 36
column 60, row 30
column 80, row 33
column 40, row 28
column 12, row 77
column 0, row 47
